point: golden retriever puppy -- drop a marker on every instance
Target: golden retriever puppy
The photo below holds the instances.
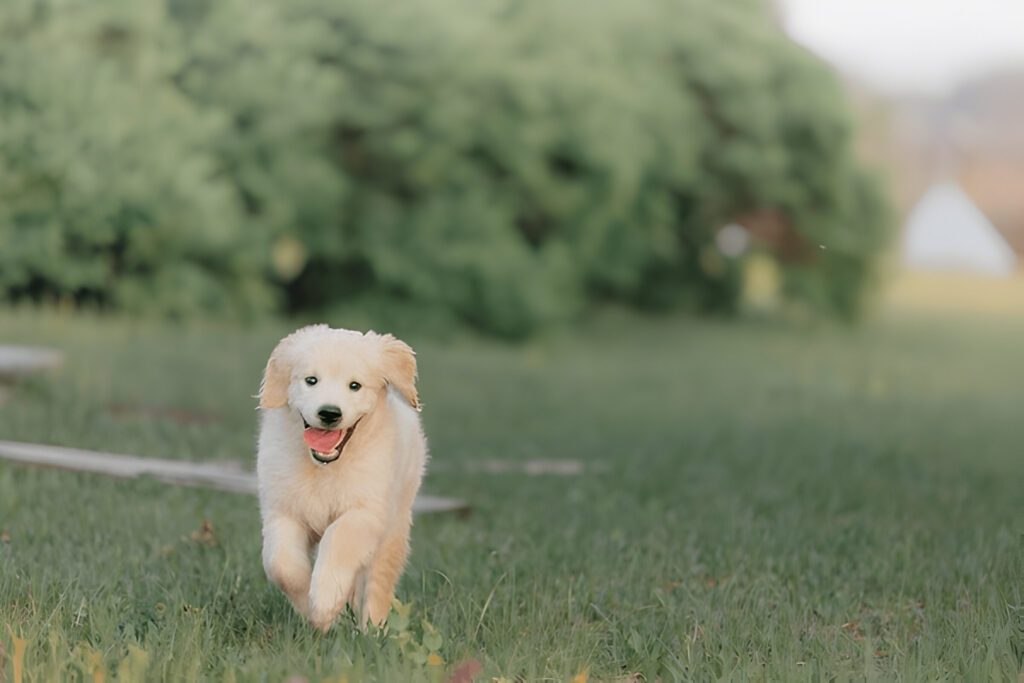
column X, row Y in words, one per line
column 340, row 459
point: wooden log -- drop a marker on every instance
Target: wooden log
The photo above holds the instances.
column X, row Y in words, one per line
column 19, row 361
column 223, row 476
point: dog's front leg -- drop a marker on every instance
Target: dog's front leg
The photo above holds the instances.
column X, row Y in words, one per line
column 286, row 559
column 346, row 547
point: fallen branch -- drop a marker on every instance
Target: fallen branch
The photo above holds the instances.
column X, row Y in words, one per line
column 222, row 476
column 19, row 361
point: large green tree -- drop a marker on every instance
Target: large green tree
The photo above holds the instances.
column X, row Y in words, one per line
column 506, row 162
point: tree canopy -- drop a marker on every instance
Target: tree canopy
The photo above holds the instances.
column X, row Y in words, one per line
column 507, row 162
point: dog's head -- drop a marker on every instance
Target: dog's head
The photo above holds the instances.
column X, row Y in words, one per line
column 335, row 378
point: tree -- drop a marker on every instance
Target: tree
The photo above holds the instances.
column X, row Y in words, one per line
column 510, row 163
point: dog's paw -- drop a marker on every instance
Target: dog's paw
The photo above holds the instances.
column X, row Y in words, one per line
column 321, row 615
column 300, row 603
column 321, row 622
column 322, row 612
column 328, row 595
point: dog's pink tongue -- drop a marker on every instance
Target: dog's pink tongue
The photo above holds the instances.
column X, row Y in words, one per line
column 322, row 440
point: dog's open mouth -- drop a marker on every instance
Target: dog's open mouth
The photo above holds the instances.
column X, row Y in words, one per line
column 325, row 445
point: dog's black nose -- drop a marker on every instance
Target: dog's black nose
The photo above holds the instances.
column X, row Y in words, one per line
column 329, row 414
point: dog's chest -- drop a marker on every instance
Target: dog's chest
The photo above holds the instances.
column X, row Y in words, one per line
column 321, row 498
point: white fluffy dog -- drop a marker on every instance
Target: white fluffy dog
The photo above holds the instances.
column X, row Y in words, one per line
column 341, row 457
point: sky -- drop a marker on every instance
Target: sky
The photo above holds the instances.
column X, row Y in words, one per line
column 910, row 46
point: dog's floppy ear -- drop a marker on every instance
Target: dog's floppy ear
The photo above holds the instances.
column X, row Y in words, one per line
column 399, row 366
column 274, row 388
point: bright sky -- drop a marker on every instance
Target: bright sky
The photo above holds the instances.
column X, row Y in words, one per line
column 923, row 46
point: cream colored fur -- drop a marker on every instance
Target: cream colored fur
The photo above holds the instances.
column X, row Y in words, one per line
column 338, row 533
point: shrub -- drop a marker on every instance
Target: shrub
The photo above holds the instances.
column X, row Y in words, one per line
column 109, row 190
column 507, row 162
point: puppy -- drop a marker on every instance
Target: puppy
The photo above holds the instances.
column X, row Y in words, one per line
column 340, row 459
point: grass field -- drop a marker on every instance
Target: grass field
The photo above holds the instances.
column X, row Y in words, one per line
column 758, row 502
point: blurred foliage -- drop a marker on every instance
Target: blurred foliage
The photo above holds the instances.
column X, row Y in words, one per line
column 505, row 162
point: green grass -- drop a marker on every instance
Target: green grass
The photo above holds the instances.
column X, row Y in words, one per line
column 760, row 503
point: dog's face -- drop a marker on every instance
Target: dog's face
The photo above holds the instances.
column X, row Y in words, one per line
column 333, row 379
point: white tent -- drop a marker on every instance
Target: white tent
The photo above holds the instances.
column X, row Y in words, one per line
column 946, row 231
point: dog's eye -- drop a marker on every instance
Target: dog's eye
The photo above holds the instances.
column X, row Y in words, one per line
column 355, row 386
column 311, row 381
